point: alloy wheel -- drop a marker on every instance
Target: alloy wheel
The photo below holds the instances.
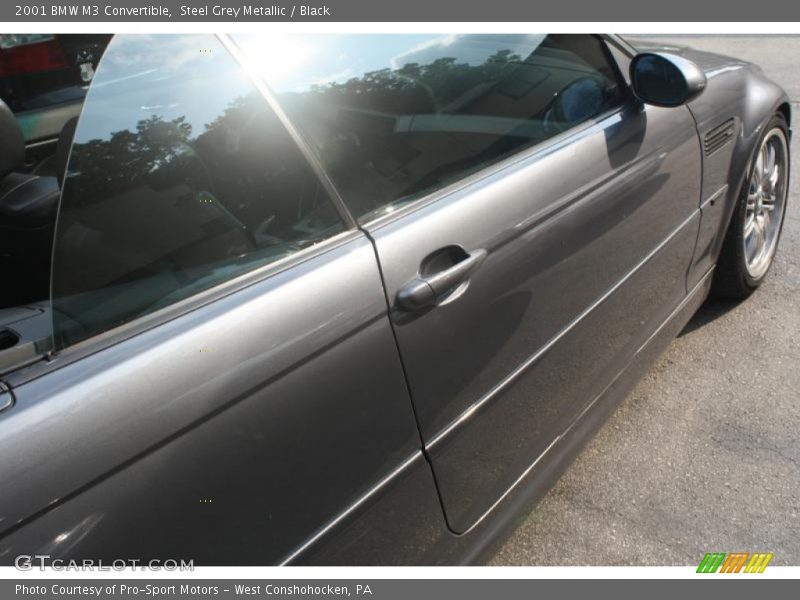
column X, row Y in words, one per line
column 766, row 198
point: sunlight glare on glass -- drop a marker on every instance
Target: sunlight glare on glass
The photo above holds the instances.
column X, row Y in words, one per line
column 277, row 57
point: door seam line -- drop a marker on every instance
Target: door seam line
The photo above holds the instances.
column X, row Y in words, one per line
column 423, row 446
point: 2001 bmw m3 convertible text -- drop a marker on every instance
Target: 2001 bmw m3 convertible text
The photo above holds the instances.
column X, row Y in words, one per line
column 356, row 298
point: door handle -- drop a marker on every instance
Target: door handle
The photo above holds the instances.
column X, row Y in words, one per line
column 424, row 290
column 6, row 399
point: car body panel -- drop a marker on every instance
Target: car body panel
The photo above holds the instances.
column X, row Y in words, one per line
column 222, row 405
column 481, row 541
column 737, row 91
column 295, row 416
column 560, row 240
column 136, row 500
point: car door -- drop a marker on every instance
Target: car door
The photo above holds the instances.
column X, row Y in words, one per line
column 533, row 223
column 222, row 384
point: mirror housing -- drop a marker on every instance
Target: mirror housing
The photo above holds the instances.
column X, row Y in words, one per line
column 663, row 79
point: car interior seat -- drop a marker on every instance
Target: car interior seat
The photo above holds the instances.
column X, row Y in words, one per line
column 28, row 206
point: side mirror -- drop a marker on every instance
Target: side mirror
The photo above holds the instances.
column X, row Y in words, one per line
column 664, row 79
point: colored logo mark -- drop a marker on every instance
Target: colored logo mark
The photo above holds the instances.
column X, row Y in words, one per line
column 734, row 562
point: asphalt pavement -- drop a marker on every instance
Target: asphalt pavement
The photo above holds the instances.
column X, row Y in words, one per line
column 704, row 454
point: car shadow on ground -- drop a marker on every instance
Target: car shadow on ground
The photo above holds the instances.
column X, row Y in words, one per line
column 711, row 310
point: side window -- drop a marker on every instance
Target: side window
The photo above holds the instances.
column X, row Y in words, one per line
column 395, row 117
column 180, row 177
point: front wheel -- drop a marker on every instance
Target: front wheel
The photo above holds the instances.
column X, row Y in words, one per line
column 752, row 238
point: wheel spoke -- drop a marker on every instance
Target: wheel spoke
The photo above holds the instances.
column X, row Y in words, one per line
column 758, row 170
column 771, row 180
column 749, row 225
column 758, row 244
column 765, row 222
column 769, row 164
column 751, row 202
column 751, row 245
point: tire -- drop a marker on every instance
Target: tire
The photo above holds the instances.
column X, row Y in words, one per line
column 746, row 256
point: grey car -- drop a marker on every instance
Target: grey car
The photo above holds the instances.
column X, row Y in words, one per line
column 357, row 298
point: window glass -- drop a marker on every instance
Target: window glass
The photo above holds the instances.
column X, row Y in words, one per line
column 394, row 117
column 180, row 177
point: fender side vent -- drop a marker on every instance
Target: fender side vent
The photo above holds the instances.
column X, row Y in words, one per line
column 718, row 137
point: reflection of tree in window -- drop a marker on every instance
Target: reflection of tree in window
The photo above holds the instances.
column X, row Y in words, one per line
column 103, row 167
column 417, row 88
column 157, row 212
column 393, row 134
